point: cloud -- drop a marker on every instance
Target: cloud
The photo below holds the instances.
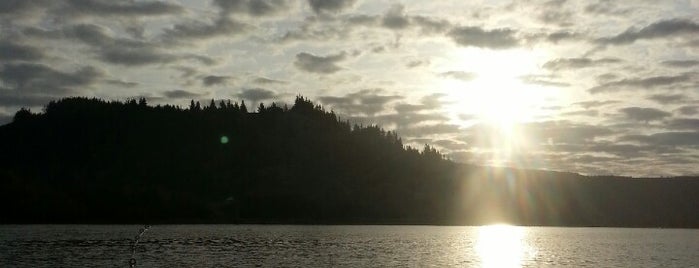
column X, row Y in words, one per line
column 20, row 6
column 577, row 63
column 320, row 6
column 363, row 102
column 688, row 110
column 459, row 75
column 595, row 103
column 542, row 80
column 660, row 29
column 395, row 18
column 667, row 98
column 32, row 77
column 478, row 37
column 109, row 49
column 121, row 83
column 644, row 114
column 605, row 7
column 253, row 7
column 212, row 80
column 257, row 94
column 14, row 98
column 645, row 83
column 683, row 123
column 198, row 30
column 417, row 63
column 318, row 64
column 11, row 51
column 264, row 81
column 665, row 139
column 681, row 63
column 118, row 8
column 562, row 36
column 182, row 94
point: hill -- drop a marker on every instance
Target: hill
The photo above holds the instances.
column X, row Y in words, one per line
column 92, row 161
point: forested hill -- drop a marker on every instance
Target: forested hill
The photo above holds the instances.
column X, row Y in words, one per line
column 92, row 161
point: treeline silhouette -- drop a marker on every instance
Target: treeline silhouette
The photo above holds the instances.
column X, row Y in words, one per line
column 93, row 161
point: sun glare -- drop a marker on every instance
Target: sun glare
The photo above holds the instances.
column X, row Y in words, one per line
column 501, row 246
column 497, row 95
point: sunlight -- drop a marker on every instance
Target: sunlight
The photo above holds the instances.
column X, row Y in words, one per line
column 501, row 245
column 498, row 97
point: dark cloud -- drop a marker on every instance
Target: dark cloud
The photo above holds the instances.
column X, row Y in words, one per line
column 14, row 98
column 577, row 63
column 479, row 37
column 543, row 80
column 688, row 110
column 21, row 6
column 605, row 7
column 11, row 51
column 264, row 81
column 683, row 123
column 430, row 25
column 257, row 94
column 121, row 83
column 199, row 30
column 595, row 103
column 562, row 36
column 31, row 77
column 660, row 29
column 182, row 94
column 459, row 75
column 417, row 63
column 644, row 114
column 395, row 18
column 364, row 102
column 118, row 8
column 109, row 49
column 681, row 63
column 212, row 80
column 665, row 139
column 318, row 64
column 253, row 7
column 645, row 83
column 667, row 98
column 320, row 6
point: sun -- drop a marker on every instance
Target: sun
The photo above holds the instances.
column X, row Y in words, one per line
column 497, row 95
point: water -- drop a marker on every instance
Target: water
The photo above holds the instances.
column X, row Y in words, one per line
column 345, row 246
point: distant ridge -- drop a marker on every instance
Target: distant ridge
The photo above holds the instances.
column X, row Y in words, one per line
column 93, row 161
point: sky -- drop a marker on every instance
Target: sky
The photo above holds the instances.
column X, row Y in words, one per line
column 595, row 87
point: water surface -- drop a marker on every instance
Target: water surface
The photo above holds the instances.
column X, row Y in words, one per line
column 345, row 246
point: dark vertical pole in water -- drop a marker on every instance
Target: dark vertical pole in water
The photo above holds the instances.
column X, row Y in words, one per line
column 132, row 261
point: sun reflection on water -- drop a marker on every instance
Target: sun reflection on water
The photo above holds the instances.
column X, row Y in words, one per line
column 502, row 246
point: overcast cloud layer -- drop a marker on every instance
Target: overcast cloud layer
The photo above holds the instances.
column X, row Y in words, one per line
column 597, row 87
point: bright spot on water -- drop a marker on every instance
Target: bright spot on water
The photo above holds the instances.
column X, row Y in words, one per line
column 224, row 139
column 501, row 246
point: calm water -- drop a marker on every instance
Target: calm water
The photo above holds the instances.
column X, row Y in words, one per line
column 345, row 246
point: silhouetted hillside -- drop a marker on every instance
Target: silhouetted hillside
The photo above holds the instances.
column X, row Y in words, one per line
column 87, row 160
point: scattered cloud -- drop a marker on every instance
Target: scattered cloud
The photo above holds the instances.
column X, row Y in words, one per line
column 212, row 80
column 11, row 51
column 681, row 63
column 478, row 37
column 667, row 98
column 257, row 94
column 660, row 29
column 320, row 6
column 459, row 75
column 644, row 114
column 182, row 94
column 577, row 63
column 318, row 64
column 643, row 83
